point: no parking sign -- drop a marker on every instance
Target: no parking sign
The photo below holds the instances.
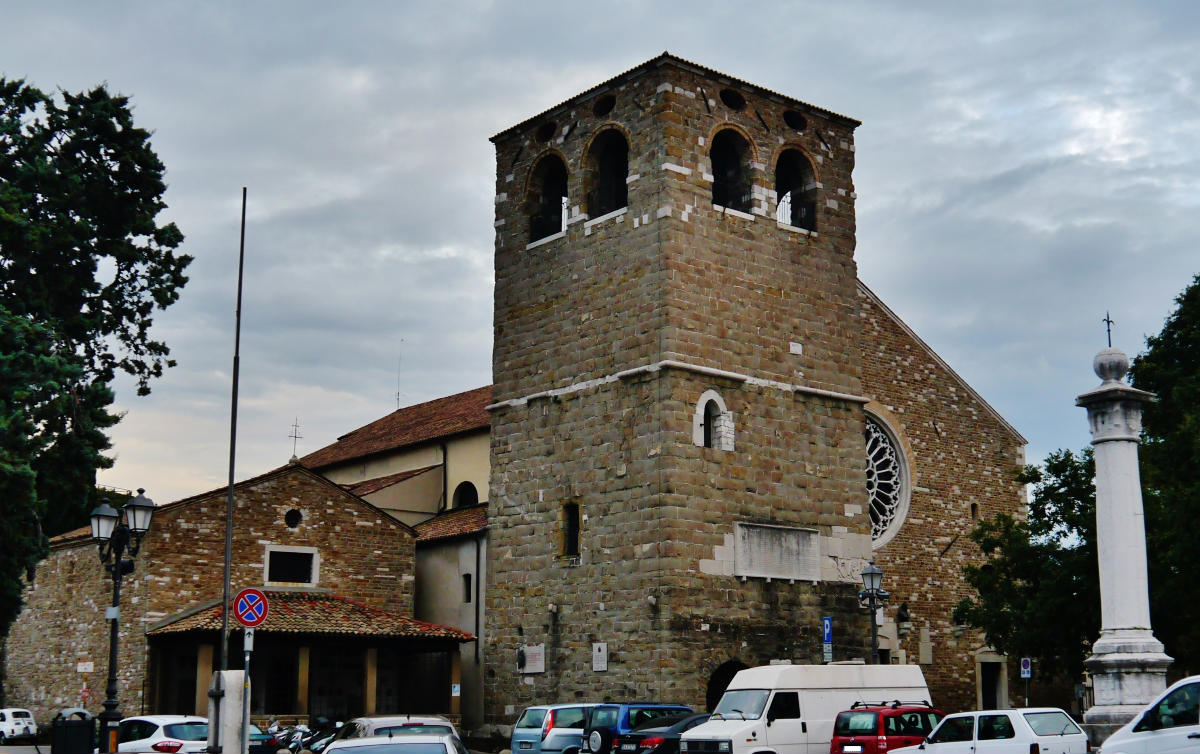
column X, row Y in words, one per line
column 250, row 607
column 1026, row 667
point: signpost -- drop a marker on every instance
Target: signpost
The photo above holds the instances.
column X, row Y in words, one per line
column 827, row 638
column 250, row 607
column 1026, row 672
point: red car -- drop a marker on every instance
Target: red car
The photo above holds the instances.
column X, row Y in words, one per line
column 877, row 728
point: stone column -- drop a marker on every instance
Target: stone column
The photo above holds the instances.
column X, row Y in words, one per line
column 1128, row 665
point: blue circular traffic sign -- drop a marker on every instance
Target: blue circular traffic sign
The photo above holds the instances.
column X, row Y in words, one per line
column 250, row 607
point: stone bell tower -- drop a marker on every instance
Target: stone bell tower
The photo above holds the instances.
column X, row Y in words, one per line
column 677, row 483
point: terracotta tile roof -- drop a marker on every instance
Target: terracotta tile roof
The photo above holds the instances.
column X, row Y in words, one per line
column 455, row 523
column 383, row 482
column 424, row 422
column 308, row 613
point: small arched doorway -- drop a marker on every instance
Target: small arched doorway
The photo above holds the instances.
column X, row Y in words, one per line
column 719, row 681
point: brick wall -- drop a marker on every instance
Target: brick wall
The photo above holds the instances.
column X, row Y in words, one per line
column 364, row 556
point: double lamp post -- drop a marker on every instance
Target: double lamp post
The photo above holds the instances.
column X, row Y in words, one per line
column 117, row 536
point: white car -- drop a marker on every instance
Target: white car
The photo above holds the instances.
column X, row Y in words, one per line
column 382, row 725
column 166, row 733
column 16, row 723
column 398, row 744
column 1046, row 730
column 1171, row 723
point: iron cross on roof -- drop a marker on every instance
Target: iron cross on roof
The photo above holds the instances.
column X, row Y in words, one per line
column 295, row 435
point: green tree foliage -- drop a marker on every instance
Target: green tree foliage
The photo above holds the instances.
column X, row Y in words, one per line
column 83, row 265
column 1038, row 594
column 1170, row 469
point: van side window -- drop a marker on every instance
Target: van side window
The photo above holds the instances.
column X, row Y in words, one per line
column 1180, row 707
column 785, row 706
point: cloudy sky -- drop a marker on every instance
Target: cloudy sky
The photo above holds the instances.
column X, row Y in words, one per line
column 1022, row 167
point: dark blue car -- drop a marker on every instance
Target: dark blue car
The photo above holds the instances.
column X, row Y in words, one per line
column 606, row 721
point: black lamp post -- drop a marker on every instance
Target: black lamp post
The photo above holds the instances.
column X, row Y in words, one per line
column 115, row 537
column 874, row 598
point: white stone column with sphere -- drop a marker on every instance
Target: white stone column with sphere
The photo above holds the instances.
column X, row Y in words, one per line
column 1128, row 665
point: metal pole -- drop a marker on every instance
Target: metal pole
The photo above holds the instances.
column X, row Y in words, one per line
column 110, row 718
column 874, row 628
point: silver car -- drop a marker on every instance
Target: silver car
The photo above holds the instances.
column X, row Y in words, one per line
column 549, row 729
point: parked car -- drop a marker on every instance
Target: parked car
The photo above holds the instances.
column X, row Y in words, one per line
column 880, row 728
column 167, row 733
column 1045, row 730
column 605, row 722
column 1171, row 723
column 658, row 736
column 16, row 723
column 398, row 744
column 549, row 729
column 261, row 742
column 409, row 725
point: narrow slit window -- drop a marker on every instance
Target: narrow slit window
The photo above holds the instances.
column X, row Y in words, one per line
column 570, row 530
column 466, row 579
column 712, row 418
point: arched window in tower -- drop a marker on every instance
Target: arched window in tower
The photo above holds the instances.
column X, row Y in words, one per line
column 887, row 482
column 546, row 202
column 730, row 157
column 608, row 167
column 712, row 424
column 797, row 190
column 465, row 495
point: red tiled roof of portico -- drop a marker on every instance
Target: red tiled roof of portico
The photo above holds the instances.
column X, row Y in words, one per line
column 307, row 613
column 436, row 419
column 455, row 523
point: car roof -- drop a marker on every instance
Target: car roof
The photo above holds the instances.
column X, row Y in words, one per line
column 564, row 705
column 402, row 719
column 164, row 719
column 347, row 743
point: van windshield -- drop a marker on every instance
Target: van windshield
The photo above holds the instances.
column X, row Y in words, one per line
column 746, row 704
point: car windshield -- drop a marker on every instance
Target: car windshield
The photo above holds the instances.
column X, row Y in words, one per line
column 193, row 731
column 395, row 747
column 21, row 713
column 1051, row 723
column 414, row 729
column 531, row 718
column 854, row 723
column 744, row 703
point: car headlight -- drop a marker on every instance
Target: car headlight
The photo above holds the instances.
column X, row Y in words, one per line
column 724, row 746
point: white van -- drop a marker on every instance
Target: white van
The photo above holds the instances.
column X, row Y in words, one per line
column 1170, row 723
column 789, row 709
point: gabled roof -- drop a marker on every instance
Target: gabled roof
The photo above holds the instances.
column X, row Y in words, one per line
column 309, row 613
column 383, row 482
column 422, row 423
column 668, row 59
column 83, row 535
column 870, row 294
column 455, row 523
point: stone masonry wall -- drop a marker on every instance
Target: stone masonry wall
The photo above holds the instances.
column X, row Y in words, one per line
column 364, row 555
column 960, row 454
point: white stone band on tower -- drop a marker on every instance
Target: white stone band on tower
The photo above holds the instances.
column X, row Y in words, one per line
column 1128, row 665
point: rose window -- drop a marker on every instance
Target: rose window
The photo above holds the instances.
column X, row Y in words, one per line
column 886, row 489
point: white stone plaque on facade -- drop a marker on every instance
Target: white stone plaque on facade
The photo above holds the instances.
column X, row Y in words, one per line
column 599, row 656
column 85, row 667
column 535, row 658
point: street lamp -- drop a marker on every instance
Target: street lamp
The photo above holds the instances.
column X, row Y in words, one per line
column 873, row 598
column 115, row 537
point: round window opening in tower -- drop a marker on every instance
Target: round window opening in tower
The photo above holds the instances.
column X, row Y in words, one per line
column 887, row 483
column 604, row 105
column 293, row 518
column 545, row 131
column 733, row 99
column 795, row 120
